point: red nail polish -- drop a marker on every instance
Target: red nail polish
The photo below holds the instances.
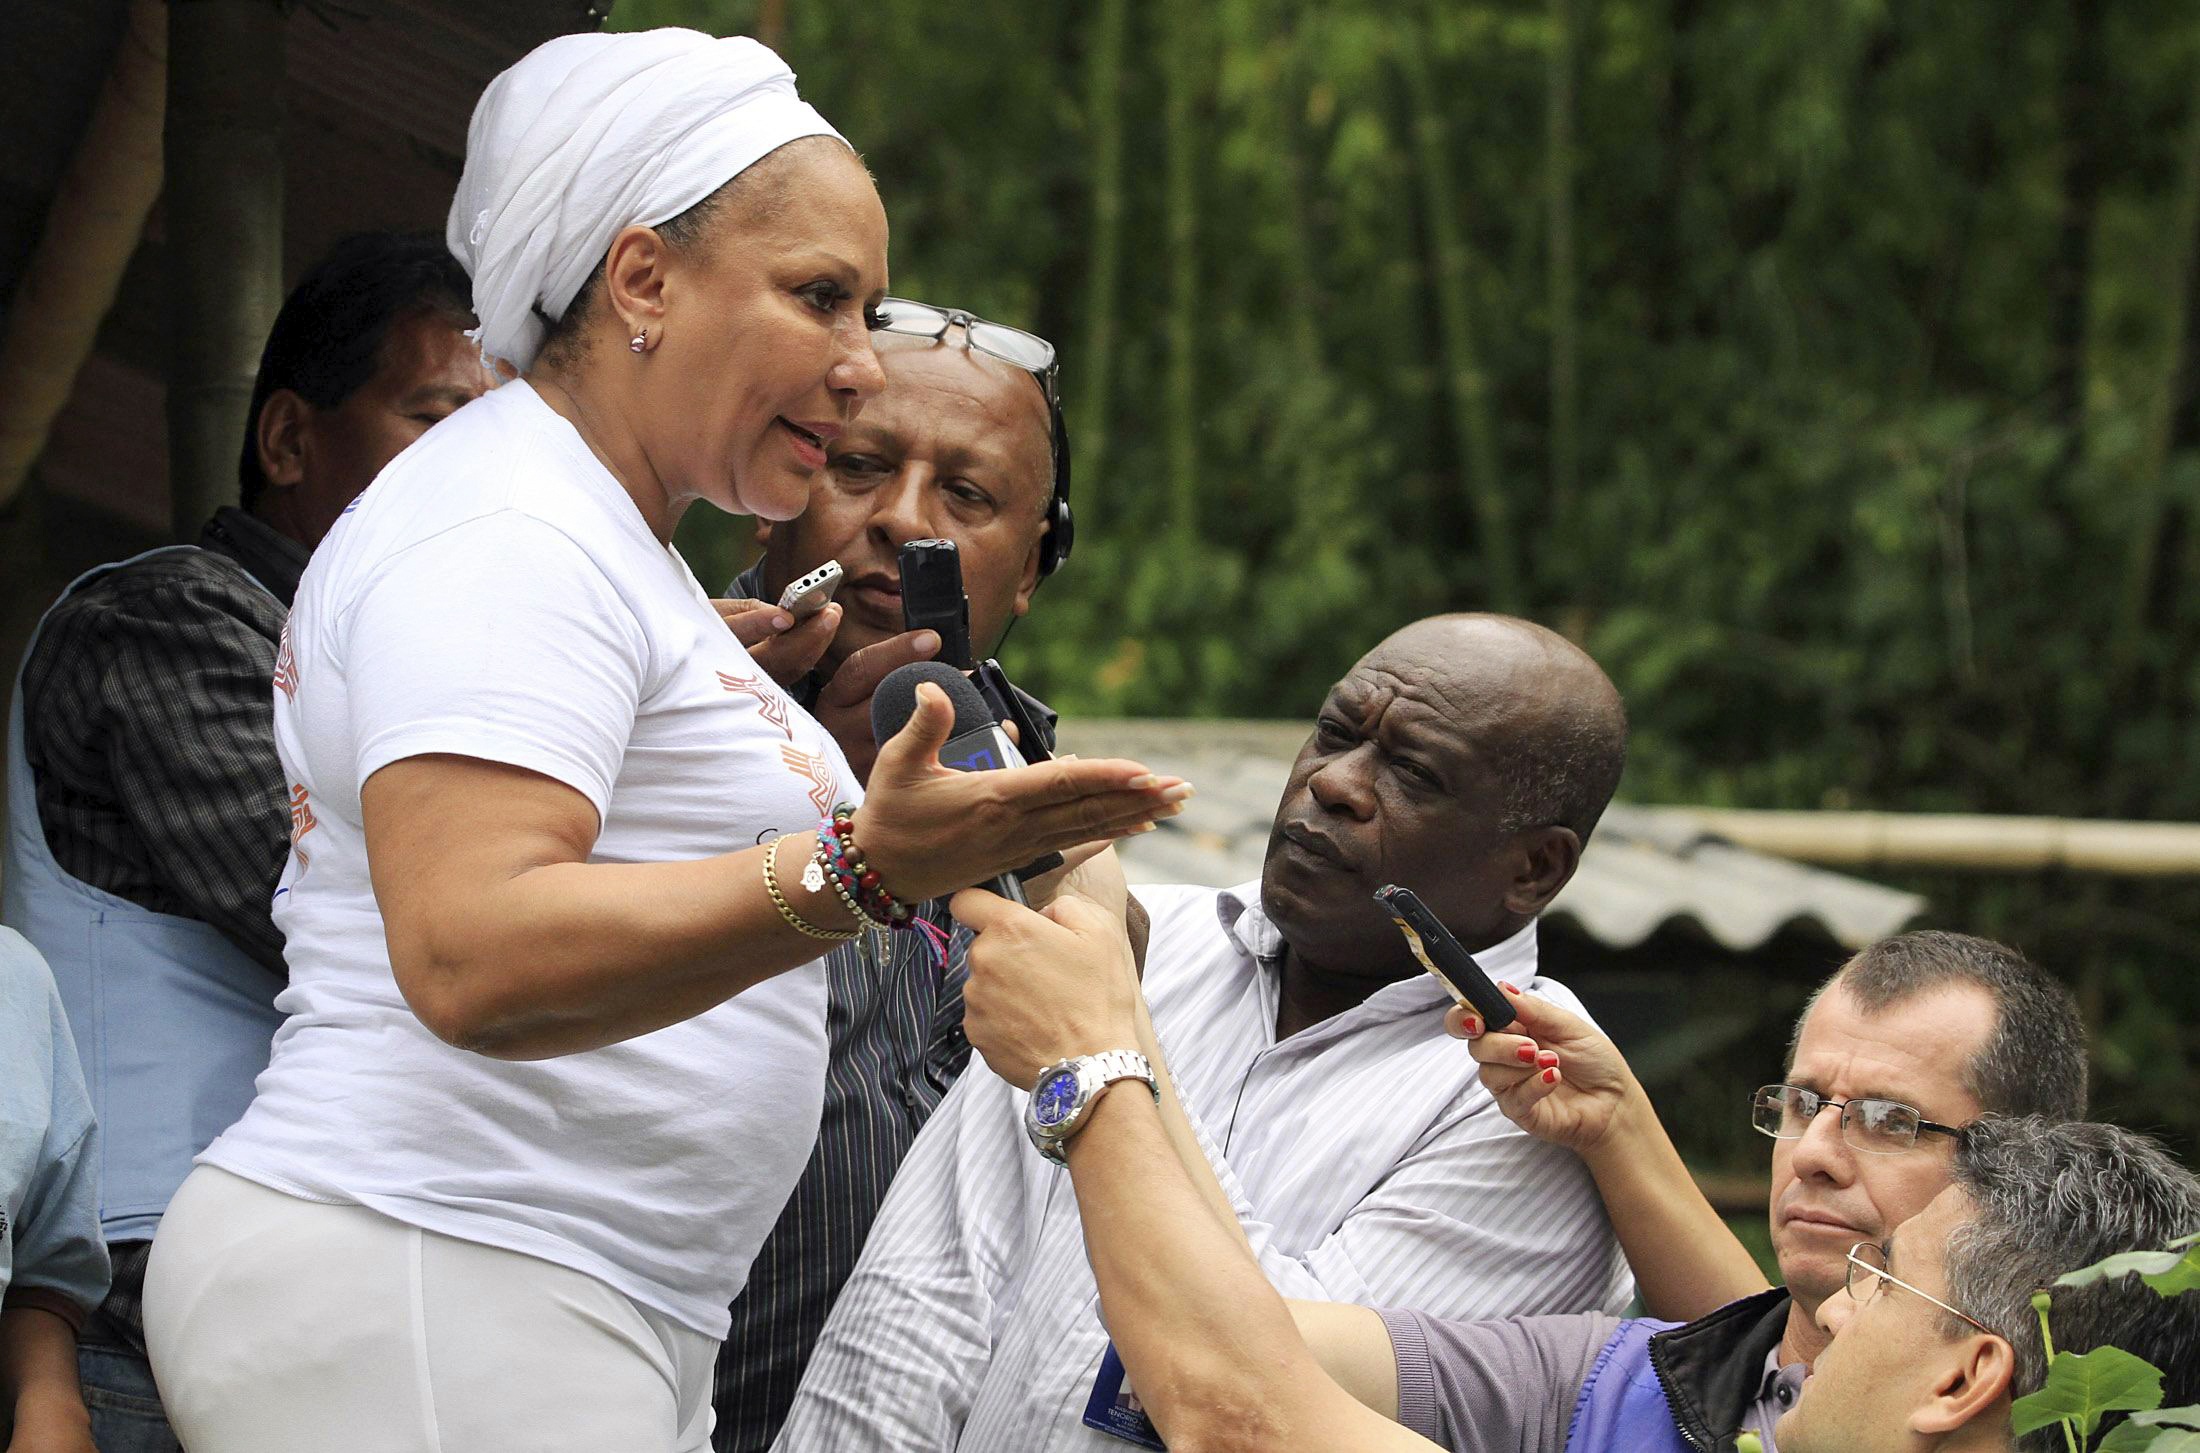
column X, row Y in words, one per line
column 1546, row 1059
column 1472, row 1026
column 1550, row 1077
column 1527, row 1054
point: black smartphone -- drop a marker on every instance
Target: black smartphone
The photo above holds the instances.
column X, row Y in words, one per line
column 1032, row 741
column 932, row 598
column 1442, row 956
column 1032, row 738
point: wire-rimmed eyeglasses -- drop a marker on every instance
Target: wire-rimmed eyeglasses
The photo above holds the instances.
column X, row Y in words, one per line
column 1876, row 1127
column 1028, row 351
column 1871, row 1257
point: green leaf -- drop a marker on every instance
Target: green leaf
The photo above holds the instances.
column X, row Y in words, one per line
column 2187, row 1416
column 2081, row 1387
column 2134, row 1437
column 2168, row 1272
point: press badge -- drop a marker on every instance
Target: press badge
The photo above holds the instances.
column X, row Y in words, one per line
column 1115, row 1410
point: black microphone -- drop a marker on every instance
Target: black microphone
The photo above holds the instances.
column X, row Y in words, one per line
column 977, row 745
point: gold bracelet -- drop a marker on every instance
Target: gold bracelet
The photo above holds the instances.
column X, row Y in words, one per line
column 786, row 910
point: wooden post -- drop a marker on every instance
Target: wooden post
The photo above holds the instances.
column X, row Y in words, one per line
column 224, row 218
column 92, row 228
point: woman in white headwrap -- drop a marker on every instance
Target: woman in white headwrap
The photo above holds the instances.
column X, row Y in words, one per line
column 556, row 1040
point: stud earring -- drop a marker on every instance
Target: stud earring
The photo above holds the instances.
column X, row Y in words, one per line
column 639, row 343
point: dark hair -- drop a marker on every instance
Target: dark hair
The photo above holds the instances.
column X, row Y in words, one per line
column 2032, row 1064
column 1562, row 767
column 2049, row 1197
column 327, row 340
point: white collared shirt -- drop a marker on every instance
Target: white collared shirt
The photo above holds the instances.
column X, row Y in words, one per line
column 1366, row 1161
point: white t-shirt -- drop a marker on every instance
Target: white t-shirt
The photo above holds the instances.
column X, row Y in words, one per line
column 497, row 595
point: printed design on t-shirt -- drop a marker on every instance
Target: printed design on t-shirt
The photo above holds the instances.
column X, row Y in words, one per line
column 772, row 705
column 286, row 666
column 824, row 786
column 302, row 821
column 812, row 767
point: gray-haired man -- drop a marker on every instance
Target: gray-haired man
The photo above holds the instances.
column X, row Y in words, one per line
column 1935, row 1335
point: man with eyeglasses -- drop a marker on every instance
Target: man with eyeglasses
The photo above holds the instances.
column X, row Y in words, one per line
column 1913, row 1037
column 965, row 443
column 1935, row 1335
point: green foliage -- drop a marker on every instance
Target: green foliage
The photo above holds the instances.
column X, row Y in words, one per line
column 2083, row 1388
column 1877, row 397
column 2168, row 1272
column 2166, row 1430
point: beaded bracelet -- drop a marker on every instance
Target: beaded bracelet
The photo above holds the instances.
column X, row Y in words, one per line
column 825, row 870
column 839, row 855
column 839, row 859
column 786, row 909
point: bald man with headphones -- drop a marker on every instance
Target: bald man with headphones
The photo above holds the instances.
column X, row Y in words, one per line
column 965, row 444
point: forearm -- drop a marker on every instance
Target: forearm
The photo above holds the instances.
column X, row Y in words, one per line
column 574, row 956
column 1183, row 1139
column 1210, row 1347
column 1685, row 1260
column 38, row 1379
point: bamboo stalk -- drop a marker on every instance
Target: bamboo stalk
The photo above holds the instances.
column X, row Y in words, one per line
column 1960, row 842
column 1104, row 109
column 92, row 228
column 1464, row 376
column 1558, row 151
column 224, row 141
column 1180, row 75
column 2151, row 480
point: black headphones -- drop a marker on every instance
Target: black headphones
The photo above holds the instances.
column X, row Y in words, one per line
column 1055, row 544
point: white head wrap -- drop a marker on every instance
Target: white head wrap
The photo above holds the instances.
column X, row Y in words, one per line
column 588, row 134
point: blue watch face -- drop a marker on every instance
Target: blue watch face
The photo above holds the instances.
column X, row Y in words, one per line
column 1056, row 1095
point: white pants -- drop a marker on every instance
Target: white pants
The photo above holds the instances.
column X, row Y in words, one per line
column 280, row 1325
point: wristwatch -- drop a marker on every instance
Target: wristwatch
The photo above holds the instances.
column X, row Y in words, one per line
column 1062, row 1096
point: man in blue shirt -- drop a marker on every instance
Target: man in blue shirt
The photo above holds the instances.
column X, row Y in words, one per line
column 53, row 1259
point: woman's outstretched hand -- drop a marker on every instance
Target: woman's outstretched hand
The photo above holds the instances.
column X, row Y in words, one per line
column 929, row 829
column 1553, row 1074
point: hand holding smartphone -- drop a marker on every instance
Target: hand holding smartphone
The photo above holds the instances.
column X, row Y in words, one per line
column 807, row 596
column 1442, row 955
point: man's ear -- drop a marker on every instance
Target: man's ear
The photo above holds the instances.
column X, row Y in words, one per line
column 1547, row 859
column 1029, row 580
column 280, row 438
column 1974, row 1386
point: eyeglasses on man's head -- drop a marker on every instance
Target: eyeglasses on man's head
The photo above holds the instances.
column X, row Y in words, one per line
column 1028, row 351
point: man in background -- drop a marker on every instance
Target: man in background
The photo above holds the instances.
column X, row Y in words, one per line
column 963, row 444
column 147, row 816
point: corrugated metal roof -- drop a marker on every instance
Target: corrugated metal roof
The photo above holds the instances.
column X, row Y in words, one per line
column 1646, row 868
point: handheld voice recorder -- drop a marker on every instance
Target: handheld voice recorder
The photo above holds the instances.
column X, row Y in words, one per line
column 807, row 596
column 932, row 598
